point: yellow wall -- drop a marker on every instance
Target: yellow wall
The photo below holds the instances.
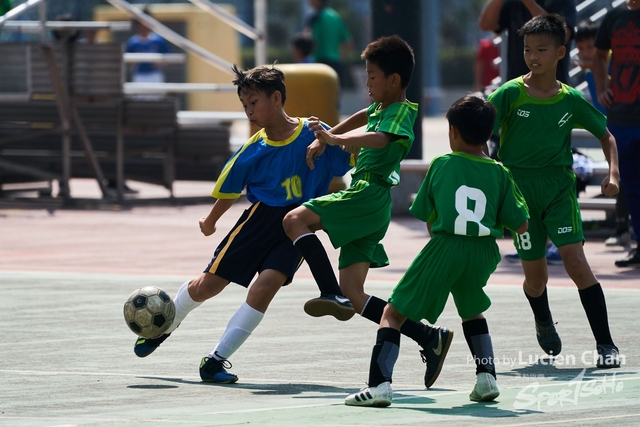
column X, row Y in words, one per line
column 208, row 32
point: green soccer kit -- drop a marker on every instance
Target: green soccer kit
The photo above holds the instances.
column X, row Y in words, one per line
column 535, row 144
column 356, row 219
column 468, row 200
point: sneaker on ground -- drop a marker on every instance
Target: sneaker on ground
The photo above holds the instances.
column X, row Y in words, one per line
column 146, row 346
column 379, row 396
column 631, row 260
column 330, row 305
column 434, row 354
column 512, row 257
column 485, row 389
column 608, row 356
column 548, row 338
column 213, row 371
column 622, row 239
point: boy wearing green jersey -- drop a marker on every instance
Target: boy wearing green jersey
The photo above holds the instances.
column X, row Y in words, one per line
column 536, row 114
column 356, row 219
column 466, row 199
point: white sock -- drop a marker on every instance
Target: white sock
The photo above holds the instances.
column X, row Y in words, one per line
column 240, row 326
column 184, row 304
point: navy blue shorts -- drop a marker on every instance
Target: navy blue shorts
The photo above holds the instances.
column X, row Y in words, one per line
column 256, row 243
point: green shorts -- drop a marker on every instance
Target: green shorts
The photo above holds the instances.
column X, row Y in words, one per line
column 356, row 220
column 553, row 206
column 460, row 265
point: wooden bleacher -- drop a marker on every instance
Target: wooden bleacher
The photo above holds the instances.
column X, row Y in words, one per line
column 100, row 132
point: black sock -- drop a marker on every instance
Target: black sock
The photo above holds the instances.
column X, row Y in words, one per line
column 540, row 306
column 595, row 307
column 384, row 356
column 313, row 252
column 417, row 331
column 476, row 332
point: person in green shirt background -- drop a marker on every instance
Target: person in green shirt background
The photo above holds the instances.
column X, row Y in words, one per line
column 5, row 6
column 331, row 37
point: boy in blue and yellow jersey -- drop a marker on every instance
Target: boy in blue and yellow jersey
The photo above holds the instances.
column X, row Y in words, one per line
column 356, row 219
column 466, row 200
column 271, row 167
column 536, row 114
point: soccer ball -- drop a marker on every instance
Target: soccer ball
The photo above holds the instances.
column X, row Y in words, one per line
column 149, row 312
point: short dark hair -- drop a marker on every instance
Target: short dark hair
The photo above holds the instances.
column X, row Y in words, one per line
column 392, row 55
column 549, row 24
column 473, row 116
column 261, row 79
column 586, row 29
column 304, row 43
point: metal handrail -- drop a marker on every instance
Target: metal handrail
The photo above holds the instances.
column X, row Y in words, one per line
column 19, row 10
column 35, row 26
column 172, row 36
column 229, row 19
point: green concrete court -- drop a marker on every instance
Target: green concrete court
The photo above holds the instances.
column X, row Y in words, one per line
column 67, row 359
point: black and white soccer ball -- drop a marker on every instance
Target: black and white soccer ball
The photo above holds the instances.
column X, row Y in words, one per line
column 149, row 312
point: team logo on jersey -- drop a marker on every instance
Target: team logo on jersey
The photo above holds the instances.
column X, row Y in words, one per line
column 564, row 119
column 522, row 113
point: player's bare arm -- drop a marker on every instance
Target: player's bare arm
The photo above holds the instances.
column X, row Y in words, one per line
column 208, row 224
column 611, row 184
column 363, row 140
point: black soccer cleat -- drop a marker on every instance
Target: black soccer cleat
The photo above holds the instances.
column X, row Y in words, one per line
column 548, row 338
column 337, row 306
column 213, row 371
column 146, row 346
column 608, row 356
column 434, row 353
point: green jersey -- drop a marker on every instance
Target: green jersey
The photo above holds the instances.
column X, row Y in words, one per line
column 535, row 132
column 469, row 196
column 397, row 120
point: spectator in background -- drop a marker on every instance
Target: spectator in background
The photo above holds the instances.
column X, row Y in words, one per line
column 5, row 6
column 485, row 70
column 585, row 38
column 146, row 41
column 302, row 48
column 620, row 95
column 510, row 15
column 331, row 37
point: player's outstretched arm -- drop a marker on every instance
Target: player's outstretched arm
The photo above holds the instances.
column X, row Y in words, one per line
column 208, row 223
column 611, row 183
column 353, row 122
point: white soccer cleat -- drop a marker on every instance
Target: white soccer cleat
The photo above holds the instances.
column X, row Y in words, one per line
column 486, row 388
column 379, row 396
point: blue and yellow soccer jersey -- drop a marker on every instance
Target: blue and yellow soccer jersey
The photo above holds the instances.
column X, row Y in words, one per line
column 276, row 173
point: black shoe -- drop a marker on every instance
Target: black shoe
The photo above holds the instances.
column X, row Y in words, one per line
column 434, row 354
column 330, row 305
column 146, row 346
column 608, row 356
column 213, row 371
column 548, row 338
column 632, row 260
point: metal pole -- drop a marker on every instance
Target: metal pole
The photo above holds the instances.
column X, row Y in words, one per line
column 229, row 19
column 260, row 17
